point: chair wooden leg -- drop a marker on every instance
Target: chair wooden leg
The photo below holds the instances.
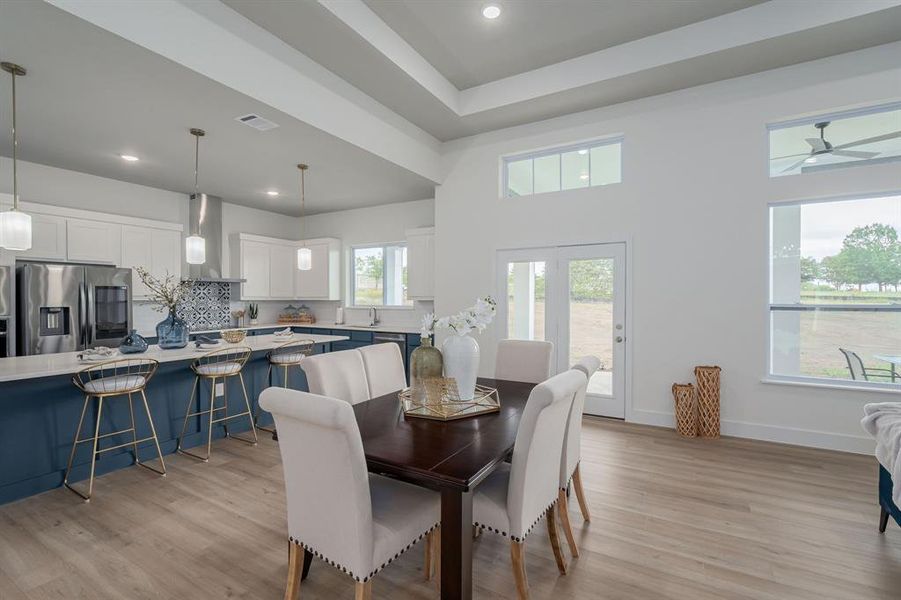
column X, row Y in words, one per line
column 427, row 562
column 580, row 493
column 563, row 513
column 883, row 519
column 363, row 591
column 436, row 558
column 517, row 557
column 295, row 566
column 552, row 534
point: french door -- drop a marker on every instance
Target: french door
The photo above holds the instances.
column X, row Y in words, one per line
column 573, row 296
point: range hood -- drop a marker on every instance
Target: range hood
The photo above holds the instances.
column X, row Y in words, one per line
column 205, row 216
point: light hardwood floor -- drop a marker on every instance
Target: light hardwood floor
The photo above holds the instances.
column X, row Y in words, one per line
column 671, row 518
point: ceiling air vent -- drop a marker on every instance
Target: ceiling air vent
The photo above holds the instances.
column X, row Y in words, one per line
column 257, row 122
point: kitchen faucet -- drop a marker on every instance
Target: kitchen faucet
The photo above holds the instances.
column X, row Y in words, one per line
column 373, row 317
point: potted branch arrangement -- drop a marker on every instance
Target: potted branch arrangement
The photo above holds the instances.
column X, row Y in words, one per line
column 253, row 311
column 166, row 293
column 461, row 351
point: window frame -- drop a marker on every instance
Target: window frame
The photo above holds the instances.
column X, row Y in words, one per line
column 589, row 145
column 352, row 287
column 835, row 115
column 770, row 306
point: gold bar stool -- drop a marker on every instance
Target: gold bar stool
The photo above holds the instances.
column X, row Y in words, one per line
column 213, row 366
column 289, row 354
column 124, row 377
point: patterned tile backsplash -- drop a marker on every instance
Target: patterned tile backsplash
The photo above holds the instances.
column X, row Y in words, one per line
column 207, row 306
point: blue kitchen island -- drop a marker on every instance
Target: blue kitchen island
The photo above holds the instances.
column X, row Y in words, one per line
column 40, row 407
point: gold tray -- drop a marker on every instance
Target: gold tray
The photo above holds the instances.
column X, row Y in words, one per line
column 440, row 400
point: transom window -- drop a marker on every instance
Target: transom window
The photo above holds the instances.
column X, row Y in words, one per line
column 850, row 138
column 835, row 290
column 565, row 168
column 379, row 276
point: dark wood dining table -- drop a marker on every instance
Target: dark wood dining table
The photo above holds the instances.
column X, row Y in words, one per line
column 450, row 457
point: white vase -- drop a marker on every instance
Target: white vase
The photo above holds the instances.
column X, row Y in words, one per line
column 461, row 361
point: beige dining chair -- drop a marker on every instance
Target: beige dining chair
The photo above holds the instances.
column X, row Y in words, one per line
column 384, row 368
column 356, row 522
column 570, row 462
column 339, row 375
column 512, row 500
column 523, row 360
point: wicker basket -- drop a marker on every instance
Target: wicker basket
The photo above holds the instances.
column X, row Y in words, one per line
column 234, row 336
column 686, row 413
column 708, row 379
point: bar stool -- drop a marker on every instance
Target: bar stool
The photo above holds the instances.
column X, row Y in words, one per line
column 218, row 364
column 123, row 377
column 289, row 354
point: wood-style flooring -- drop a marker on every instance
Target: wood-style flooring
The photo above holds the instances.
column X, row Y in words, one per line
column 671, row 518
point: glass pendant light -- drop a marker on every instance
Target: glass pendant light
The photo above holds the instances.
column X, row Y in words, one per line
column 15, row 226
column 195, row 245
column 304, row 255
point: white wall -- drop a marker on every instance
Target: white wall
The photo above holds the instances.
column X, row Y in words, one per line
column 693, row 208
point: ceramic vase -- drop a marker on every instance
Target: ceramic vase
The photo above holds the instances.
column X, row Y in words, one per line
column 461, row 362
column 172, row 332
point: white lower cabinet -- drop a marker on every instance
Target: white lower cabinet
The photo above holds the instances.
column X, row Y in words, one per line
column 93, row 241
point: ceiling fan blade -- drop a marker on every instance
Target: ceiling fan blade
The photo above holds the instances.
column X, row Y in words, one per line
column 790, row 156
column 817, row 144
column 794, row 166
column 878, row 138
column 855, row 153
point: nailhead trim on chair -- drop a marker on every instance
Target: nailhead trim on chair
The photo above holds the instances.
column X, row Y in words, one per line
column 513, row 537
column 344, row 569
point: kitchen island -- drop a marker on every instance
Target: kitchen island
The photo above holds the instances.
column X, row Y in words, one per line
column 39, row 410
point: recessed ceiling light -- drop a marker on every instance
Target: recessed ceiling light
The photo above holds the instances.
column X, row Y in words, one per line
column 272, row 192
column 810, row 160
column 583, row 151
column 491, row 11
column 128, row 157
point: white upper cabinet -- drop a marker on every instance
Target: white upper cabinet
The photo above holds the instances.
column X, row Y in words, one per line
column 269, row 266
column 157, row 250
column 323, row 280
column 421, row 263
column 48, row 238
column 93, row 241
column 282, row 264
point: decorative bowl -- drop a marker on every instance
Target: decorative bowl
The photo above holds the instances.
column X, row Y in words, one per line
column 234, row 336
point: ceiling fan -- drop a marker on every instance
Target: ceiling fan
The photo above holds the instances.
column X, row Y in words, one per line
column 821, row 146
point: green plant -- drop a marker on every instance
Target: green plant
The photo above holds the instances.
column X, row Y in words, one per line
column 253, row 310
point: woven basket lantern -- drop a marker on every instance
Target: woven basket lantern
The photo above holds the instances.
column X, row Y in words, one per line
column 708, row 379
column 686, row 413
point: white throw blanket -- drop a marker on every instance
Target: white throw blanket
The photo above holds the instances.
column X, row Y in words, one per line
column 883, row 422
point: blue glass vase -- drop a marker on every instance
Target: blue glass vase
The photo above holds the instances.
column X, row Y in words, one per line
column 172, row 332
column 133, row 343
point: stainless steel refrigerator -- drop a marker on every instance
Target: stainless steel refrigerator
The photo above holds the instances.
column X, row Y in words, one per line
column 66, row 308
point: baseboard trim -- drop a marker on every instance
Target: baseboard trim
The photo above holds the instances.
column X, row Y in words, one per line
column 770, row 433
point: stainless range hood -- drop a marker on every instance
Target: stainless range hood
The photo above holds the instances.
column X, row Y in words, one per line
column 205, row 216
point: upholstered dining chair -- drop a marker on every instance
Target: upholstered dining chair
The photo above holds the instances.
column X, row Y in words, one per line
column 572, row 454
column 523, row 360
column 339, row 375
column 356, row 522
column 513, row 499
column 384, row 368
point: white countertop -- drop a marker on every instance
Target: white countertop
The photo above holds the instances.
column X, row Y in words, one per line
column 321, row 325
column 47, row 365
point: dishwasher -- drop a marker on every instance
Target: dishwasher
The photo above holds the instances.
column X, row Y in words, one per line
column 392, row 338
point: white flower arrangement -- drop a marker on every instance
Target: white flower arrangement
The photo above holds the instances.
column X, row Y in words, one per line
column 476, row 317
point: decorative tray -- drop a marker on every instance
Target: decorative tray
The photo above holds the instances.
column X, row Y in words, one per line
column 439, row 399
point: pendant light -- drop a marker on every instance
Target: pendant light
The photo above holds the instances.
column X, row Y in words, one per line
column 15, row 226
column 195, row 245
column 304, row 254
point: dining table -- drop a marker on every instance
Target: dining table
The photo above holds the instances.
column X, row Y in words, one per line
column 449, row 457
column 893, row 360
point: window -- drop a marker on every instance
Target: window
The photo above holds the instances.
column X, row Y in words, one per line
column 573, row 167
column 380, row 276
column 850, row 138
column 835, row 290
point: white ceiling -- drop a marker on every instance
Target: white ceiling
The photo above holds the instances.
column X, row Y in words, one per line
column 470, row 50
column 90, row 95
